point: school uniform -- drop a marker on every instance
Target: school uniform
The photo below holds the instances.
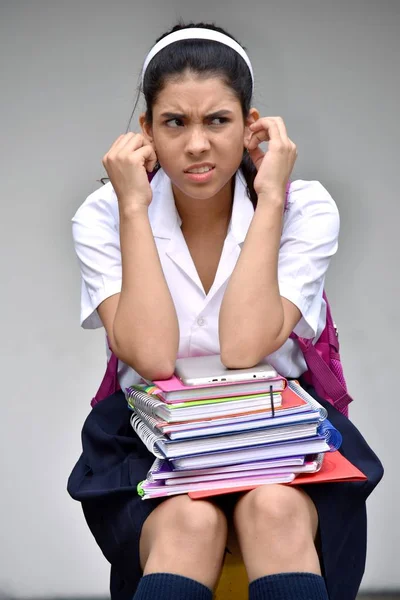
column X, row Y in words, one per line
column 114, row 460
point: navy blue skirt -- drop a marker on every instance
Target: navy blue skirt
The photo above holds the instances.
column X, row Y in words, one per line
column 114, row 460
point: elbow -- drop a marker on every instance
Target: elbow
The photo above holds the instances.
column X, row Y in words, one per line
column 245, row 356
column 239, row 357
column 150, row 366
column 155, row 371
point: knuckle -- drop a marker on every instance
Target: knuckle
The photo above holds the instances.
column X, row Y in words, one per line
column 279, row 147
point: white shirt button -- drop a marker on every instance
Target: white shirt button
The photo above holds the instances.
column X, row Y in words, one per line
column 201, row 321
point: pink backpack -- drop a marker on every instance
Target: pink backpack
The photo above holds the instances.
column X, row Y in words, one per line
column 324, row 372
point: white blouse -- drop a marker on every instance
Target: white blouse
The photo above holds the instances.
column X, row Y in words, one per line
column 309, row 239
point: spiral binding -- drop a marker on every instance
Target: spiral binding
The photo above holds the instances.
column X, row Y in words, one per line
column 319, row 460
column 150, row 421
column 155, row 468
column 148, row 437
column 332, row 435
column 143, row 401
column 323, row 413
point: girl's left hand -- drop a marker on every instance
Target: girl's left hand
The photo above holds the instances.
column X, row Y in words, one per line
column 274, row 166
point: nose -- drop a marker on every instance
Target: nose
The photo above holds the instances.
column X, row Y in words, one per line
column 197, row 141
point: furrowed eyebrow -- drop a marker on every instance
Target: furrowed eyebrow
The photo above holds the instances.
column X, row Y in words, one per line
column 170, row 115
column 215, row 115
column 219, row 113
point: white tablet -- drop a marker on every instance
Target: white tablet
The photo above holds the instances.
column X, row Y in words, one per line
column 198, row 370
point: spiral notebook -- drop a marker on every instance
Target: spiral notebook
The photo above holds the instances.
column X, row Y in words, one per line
column 292, row 400
column 335, row 469
column 212, row 408
column 173, row 390
column 152, row 490
column 308, row 466
column 246, row 455
column 200, row 481
column 328, row 468
column 163, row 469
column 161, row 446
column 232, row 424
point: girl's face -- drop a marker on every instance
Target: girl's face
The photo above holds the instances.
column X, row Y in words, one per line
column 198, row 132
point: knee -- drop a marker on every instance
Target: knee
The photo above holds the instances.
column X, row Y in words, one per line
column 272, row 508
column 197, row 519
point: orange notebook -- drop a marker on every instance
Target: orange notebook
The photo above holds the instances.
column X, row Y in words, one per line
column 335, row 468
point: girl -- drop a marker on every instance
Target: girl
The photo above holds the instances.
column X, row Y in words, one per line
column 206, row 260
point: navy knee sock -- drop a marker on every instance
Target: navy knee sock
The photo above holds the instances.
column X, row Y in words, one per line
column 171, row 587
column 288, row 586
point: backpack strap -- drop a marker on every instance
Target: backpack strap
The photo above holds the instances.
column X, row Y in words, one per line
column 324, row 375
column 319, row 368
column 109, row 384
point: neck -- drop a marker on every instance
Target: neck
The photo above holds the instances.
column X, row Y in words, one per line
column 207, row 213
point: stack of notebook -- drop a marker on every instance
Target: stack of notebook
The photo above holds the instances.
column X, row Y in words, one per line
column 224, row 437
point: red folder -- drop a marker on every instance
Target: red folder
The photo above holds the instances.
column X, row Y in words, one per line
column 335, row 468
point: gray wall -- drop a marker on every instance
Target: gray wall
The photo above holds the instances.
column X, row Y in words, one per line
column 68, row 78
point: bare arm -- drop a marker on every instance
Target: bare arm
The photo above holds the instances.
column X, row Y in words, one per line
column 254, row 319
column 141, row 321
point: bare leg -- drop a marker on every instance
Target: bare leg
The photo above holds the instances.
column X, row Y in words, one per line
column 184, row 537
column 276, row 527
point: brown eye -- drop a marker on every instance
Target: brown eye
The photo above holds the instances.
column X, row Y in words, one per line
column 219, row 121
column 174, row 123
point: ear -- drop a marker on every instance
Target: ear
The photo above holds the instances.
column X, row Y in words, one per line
column 146, row 128
column 252, row 117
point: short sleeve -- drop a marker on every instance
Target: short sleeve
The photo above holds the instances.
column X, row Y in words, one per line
column 309, row 240
column 95, row 231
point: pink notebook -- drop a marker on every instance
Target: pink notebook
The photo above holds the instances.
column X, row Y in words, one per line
column 173, row 390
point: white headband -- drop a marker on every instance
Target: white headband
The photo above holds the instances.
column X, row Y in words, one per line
column 197, row 33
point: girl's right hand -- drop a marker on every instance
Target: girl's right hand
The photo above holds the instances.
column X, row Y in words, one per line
column 127, row 162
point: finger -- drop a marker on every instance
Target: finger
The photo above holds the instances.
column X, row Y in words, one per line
column 282, row 128
column 256, row 156
column 126, row 146
column 264, row 130
column 267, row 124
column 283, row 131
column 257, row 138
column 121, row 141
column 132, row 142
column 115, row 147
column 147, row 156
column 272, row 125
column 275, row 129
